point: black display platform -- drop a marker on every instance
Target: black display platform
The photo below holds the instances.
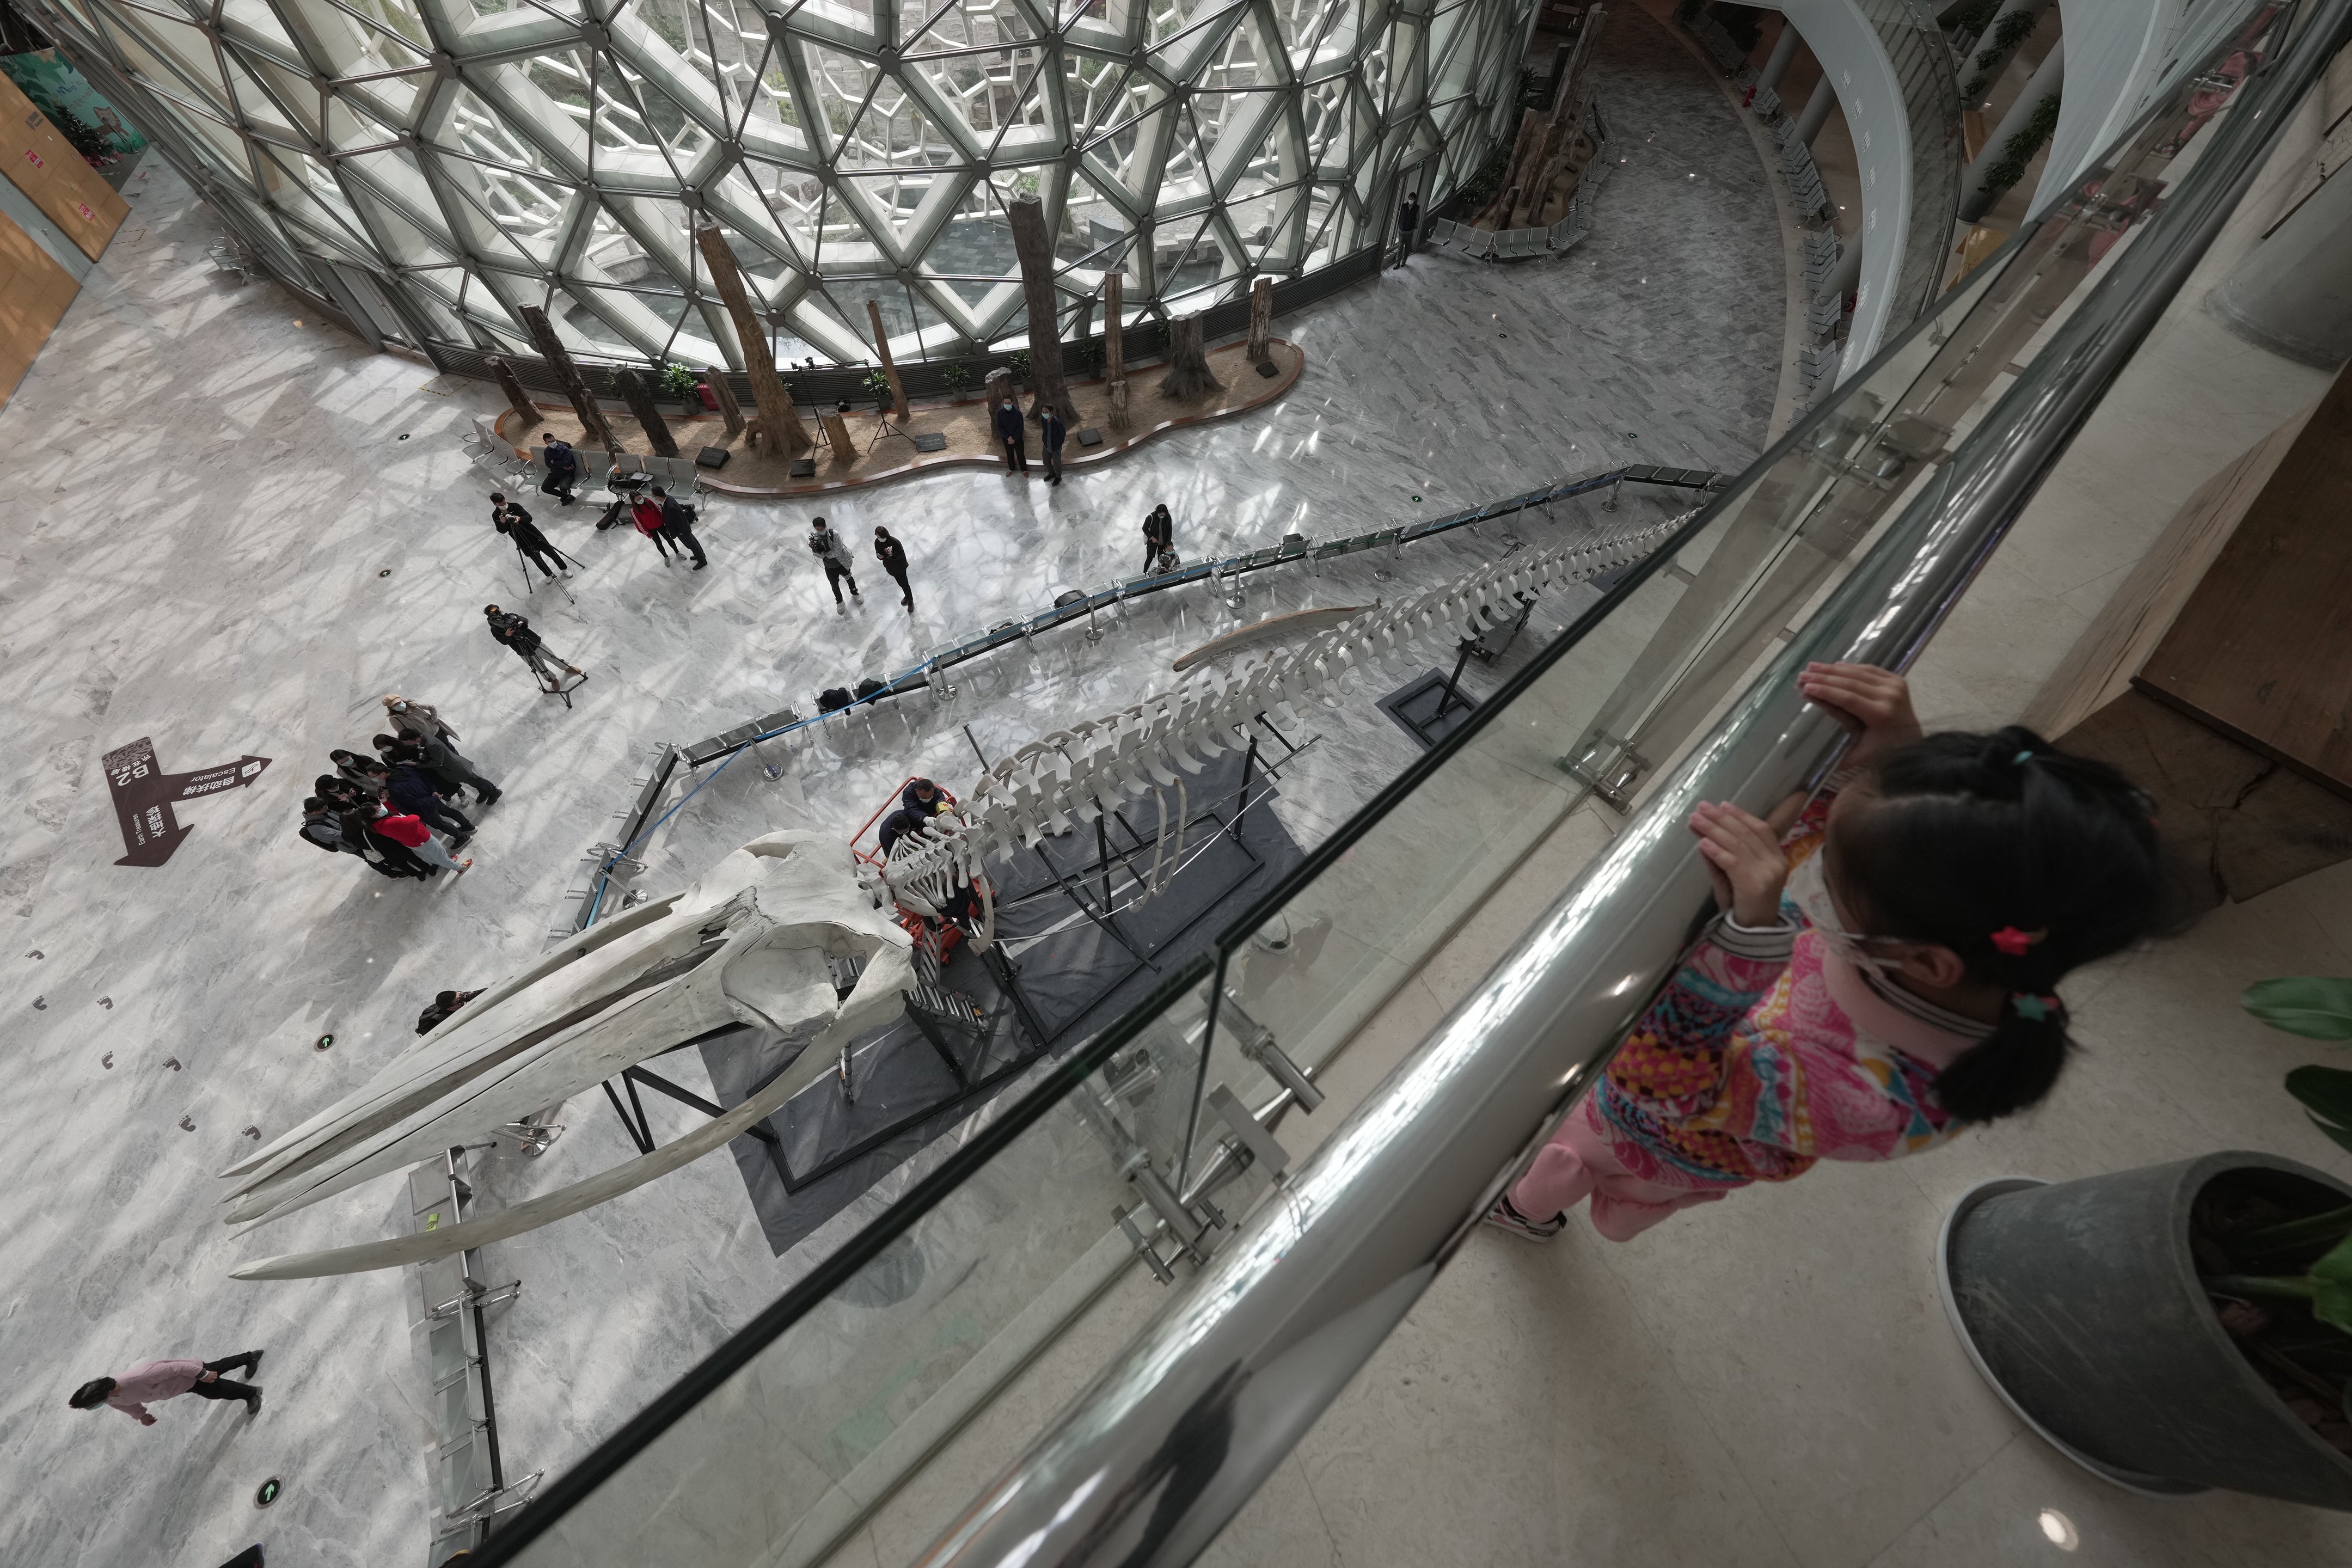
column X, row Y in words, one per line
column 1071, row 978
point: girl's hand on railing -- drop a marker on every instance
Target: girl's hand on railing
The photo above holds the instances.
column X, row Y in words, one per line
column 1873, row 704
column 1744, row 859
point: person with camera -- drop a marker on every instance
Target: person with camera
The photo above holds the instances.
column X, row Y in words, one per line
column 833, row 550
column 509, row 518
column 677, row 524
column 514, row 632
column 1159, row 541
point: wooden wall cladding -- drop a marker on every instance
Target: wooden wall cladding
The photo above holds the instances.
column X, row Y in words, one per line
column 34, row 293
column 45, row 166
column 2263, row 650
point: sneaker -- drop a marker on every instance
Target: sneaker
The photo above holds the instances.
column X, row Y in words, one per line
column 252, row 1363
column 701, row 565
column 253, row 1404
column 464, row 867
column 1505, row 1217
column 839, row 608
column 856, row 595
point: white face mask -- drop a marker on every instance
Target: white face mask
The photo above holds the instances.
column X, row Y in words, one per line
column 1811, row 891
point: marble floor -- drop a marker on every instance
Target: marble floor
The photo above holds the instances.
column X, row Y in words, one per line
column 232, row 529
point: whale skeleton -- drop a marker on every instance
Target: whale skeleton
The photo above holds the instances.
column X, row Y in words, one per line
column 1075, row 775
column 745, row 945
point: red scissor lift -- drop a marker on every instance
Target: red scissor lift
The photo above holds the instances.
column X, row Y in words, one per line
column 931, row 935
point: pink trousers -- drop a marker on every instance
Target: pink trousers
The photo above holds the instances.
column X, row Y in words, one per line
column 1577, row 1164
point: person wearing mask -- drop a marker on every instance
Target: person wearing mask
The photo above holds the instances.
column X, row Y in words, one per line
column 365, row 775
column 892, row 556
column 412, row 790
column 510, row 520
column 423, row 723
column 677, row 524
column 1052, row 434
column 411, row 831
column 153, row 1382
column 563, row 470
column 334, row 789
column 925, row 798
column 1012, row 434
column 1159, row 537
column 833, row 550
column 513, row 631
column 397, row 750
column 1408, row 225
column 414, row 718
column 646, row 513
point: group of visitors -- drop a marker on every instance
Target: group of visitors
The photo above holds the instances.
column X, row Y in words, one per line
column 384, row 808
column 834, row 551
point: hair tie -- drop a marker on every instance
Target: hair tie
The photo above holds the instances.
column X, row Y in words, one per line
column 2037, row 1008
column 2021, row 758
column 2014, row 943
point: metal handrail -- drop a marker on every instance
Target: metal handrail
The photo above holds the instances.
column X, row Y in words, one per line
column 1168, row 1443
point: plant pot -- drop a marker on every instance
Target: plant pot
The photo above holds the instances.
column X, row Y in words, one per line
column 2079, row 1304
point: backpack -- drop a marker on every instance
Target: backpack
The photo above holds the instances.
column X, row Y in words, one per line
column 333, row 841
column 832, row 699
column 868, row 687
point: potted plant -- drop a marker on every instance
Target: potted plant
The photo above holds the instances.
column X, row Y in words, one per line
column 877, row 387
column 2185, row 1325
column 680, row 385
column 956, row 376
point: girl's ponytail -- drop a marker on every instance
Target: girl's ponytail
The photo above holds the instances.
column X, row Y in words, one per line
column 2023, row 860
column 2012, row 1067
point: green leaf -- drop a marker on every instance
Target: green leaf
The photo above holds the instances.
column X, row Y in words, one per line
column 2316, row 1006
column 2326, row 1093
column 2332, row 1302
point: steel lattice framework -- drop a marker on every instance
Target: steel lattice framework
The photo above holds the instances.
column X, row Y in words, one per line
column 433, row 165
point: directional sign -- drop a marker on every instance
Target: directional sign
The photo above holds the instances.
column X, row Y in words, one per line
column 144, row 794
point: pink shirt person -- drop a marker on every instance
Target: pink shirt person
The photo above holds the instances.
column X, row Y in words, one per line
column 154, row 1380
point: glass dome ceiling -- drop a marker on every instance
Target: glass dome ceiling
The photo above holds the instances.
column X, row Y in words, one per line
column 434, row 165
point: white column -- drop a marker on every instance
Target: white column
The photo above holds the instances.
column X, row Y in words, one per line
column 1817, row 109
column 1784, row 49
column 2049, row 76
column 2293, row 294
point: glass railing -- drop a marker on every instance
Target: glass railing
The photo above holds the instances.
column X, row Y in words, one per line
column 1149, row 1149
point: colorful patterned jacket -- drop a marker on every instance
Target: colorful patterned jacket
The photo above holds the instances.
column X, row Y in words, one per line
column 1768, row 1051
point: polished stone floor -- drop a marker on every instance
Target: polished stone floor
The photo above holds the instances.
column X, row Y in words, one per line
column 232, row 529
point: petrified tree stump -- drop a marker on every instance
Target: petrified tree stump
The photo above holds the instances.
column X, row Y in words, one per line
column 723, row 394
column 997, row 388
column 517, row 398
column 1189, row 375
column 889, row 365
column 836, row 431
column 1034, row 246
column 640, row 399
column 1115, row 347
column 567, row 375
column 1260, row 320
column 778, row 417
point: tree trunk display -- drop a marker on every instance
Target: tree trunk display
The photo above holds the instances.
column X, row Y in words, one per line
column 780, row 422
column 1531, row 128
column 723, row 394
column 836, row 431
column 1114, row 347
column 1260, row 320
column 640, row 399
column 1189, row 375
column 889, row 365
column 567, row 374
column 1035, row 249
column 517, row 398
column 996, row 389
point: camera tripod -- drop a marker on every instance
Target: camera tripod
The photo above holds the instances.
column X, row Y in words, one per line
column 530, row 587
